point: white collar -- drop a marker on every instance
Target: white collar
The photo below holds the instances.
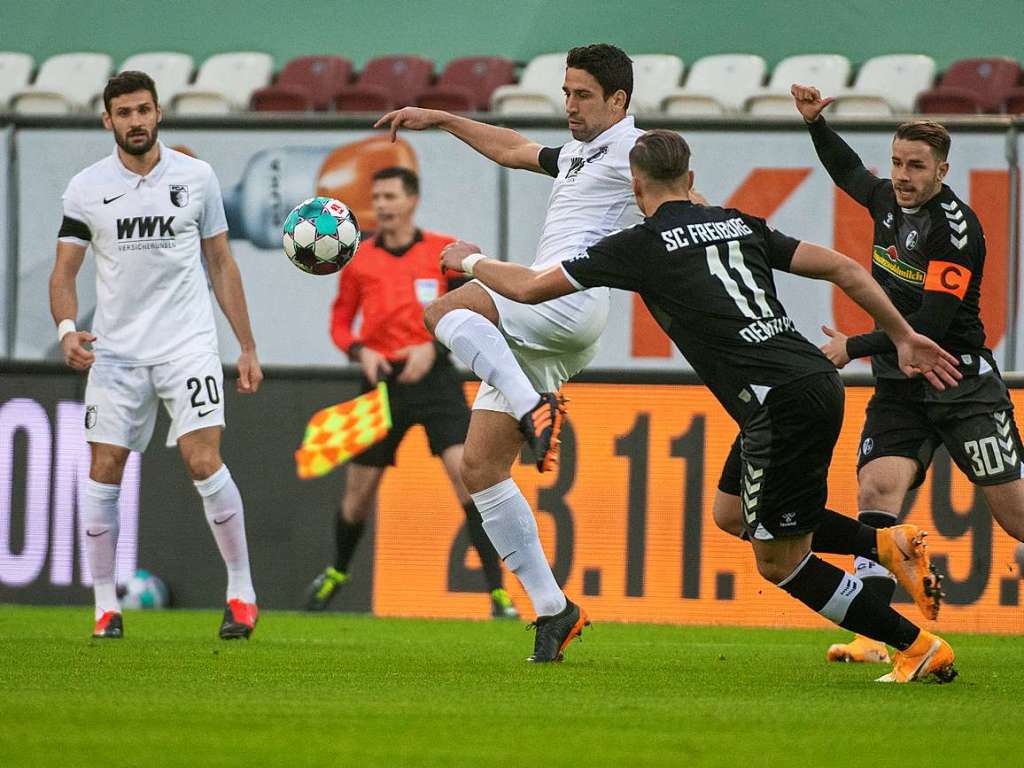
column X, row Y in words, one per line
column 133, row 179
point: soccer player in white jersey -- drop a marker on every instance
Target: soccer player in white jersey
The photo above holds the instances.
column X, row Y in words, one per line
column 152, row 216
column 525, row 353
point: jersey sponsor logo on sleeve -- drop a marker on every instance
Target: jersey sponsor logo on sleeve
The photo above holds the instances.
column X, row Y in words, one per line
column 946, row 277
column 889, row 260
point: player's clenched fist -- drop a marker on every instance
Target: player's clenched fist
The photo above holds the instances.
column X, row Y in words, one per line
column 75, row 353
column 809, row 102
column 454, row 253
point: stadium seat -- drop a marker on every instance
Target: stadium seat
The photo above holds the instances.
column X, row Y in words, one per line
column 539, row 91
column 886, row 85
column 466, row 84
column 66, row 83
column 655, row 75
column 308, row 82
column 170, row 71
column 828, row 72
column 225, row 83
column 1014, row 104
column 717, row 84
column 972, row 85
column 387, row 82
column 15, row 72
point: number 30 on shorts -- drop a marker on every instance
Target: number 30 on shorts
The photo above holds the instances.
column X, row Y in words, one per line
column 197, row 389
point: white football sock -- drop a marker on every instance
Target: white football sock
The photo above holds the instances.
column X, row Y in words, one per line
column 102, row 525
column 512, row 530
column 226, row 517
column 481, row 347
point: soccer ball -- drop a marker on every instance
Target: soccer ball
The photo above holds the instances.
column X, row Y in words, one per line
column 321, row 235
column 144, row 590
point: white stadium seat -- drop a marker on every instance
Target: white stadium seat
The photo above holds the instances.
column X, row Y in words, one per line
column 717, row 84
column 15, row 72
column 886, row 85
column 828, row 72
column 66, row 83
column 539, row 91
column 225, row 83
column 170, row 71
column 655, row 75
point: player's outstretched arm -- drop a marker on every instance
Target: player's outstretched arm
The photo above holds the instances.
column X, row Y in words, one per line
column 842, row 163
column 918, row 354
column 64, row 306
column 227, row 287
column 513, row 281
column 502, row 145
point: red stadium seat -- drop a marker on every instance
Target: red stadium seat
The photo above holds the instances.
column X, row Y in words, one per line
column 1014, row 104
column 466, row 84
column 972, row 85
column 308, row 82
column 387, row 82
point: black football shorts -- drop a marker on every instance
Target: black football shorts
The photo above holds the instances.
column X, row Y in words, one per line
column 778, row 465
column 974, row 421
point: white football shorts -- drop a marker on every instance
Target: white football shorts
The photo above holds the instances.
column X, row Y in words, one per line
column 121, row 401
column 552, row 341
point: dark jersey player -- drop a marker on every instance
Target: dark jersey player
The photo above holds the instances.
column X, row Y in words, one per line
column 706, row 275
column 928, row 256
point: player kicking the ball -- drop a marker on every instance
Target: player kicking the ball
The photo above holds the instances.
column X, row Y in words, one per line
column 524, row 353
column 151, row 215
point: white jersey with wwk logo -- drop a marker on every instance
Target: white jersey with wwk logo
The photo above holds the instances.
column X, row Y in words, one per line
column 152, row 296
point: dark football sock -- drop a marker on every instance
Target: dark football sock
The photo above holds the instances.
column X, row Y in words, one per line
column 842, row 599
column 346, row 538
column 884, row 586
column 841, row 535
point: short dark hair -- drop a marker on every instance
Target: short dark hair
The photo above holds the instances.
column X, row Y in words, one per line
column 661, row 155
column 610, row 66
column 126, row 82
column 410, row 181
column 930, row 132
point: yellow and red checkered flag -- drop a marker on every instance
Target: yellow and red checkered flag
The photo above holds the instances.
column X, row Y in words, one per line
column 336, row 434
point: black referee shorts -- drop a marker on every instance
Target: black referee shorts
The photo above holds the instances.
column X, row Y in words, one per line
column 778, row 465
column 436, row 401
column 974, row 421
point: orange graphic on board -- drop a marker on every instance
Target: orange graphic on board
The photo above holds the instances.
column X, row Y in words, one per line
column 627, row 523
column 347, row 173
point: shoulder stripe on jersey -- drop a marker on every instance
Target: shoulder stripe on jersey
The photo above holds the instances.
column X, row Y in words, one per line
column 960, row 244
column 947, row 277
column 959, row 228
column 951, row 206
column 958, row 216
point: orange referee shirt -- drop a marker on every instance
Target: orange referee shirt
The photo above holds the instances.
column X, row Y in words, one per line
column 390, row 289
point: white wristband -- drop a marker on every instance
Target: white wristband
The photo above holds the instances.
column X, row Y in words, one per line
column 471, row 261
column 66, row 326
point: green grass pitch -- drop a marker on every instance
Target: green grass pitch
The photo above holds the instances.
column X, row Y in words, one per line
column 360, row 691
